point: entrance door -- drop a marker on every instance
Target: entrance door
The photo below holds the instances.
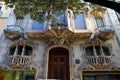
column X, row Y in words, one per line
column 58, row 64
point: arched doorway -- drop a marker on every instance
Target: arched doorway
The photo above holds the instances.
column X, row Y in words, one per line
column 58, row 67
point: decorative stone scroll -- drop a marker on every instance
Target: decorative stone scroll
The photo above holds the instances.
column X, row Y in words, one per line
column 98, row 13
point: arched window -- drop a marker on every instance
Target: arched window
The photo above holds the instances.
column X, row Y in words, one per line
column 97, row 50
column 21, row 50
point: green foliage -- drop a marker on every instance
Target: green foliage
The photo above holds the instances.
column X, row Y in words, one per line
column 39, row 8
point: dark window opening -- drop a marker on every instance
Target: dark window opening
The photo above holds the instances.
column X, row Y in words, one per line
column 106, row 51
column 99, row 50
column 89, row 51
column 12, row 50
column 103, row 77
column 28, row 50
column 29, row 77
column 20, row 51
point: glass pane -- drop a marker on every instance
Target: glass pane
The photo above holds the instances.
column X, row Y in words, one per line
column 106, row 51
column 79, row 21
column 59, row 17
column 89, row 51
column 99, row 22
column 28, row 50
column 29, row 77
column 98, row 50
column 19, row 50
column 12, row 50
column 37, row 25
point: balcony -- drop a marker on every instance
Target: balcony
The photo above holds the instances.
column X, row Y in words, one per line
column 99, row 62
column 13, row 32
column 104, row 33
column 18, row 61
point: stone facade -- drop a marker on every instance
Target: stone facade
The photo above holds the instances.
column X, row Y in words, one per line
column 72, row 49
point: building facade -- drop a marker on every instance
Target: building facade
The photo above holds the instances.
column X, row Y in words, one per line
column 82, row 46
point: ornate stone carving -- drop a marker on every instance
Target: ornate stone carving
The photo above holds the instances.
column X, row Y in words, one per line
column 13, row 32
column 98, row 13
column 103, row 33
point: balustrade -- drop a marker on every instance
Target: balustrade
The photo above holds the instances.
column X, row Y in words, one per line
column 99, row 61
column 19, row 61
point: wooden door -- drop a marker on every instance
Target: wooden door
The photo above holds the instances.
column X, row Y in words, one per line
column 58, row 64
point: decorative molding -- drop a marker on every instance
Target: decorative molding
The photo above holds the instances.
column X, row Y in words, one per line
column 98, row 12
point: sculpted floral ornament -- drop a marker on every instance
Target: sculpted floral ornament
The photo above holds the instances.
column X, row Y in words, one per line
column 98, row 13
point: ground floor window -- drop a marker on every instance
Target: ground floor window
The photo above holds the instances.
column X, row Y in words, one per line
column 101, row 75
column 30, row 77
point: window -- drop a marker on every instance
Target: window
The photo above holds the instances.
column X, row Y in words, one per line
column 12, row 50
column 28, row 50
column 99, row 22
column 29, row 77
column 89, row 51
column 79, row 21
column 100, row 75
column 21, row 50
column 98, row 50
column 37, row 25
column 59, row 17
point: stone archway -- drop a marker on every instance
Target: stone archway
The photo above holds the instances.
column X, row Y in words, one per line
column 58, row 67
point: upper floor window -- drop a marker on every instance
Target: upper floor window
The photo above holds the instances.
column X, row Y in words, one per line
column 59, row 17
column 99, row 22
column 21, row 50
column 79, row 21
column 97, row 50
column 37, row 25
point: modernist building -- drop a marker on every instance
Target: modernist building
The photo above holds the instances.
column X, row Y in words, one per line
column 84, row 46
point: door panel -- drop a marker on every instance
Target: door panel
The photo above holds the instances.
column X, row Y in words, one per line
column 58, row 64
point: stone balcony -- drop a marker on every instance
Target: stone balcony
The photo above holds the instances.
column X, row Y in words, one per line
column 13, row 32
column 18, row 61
column 103, row 33
column 99, row 62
